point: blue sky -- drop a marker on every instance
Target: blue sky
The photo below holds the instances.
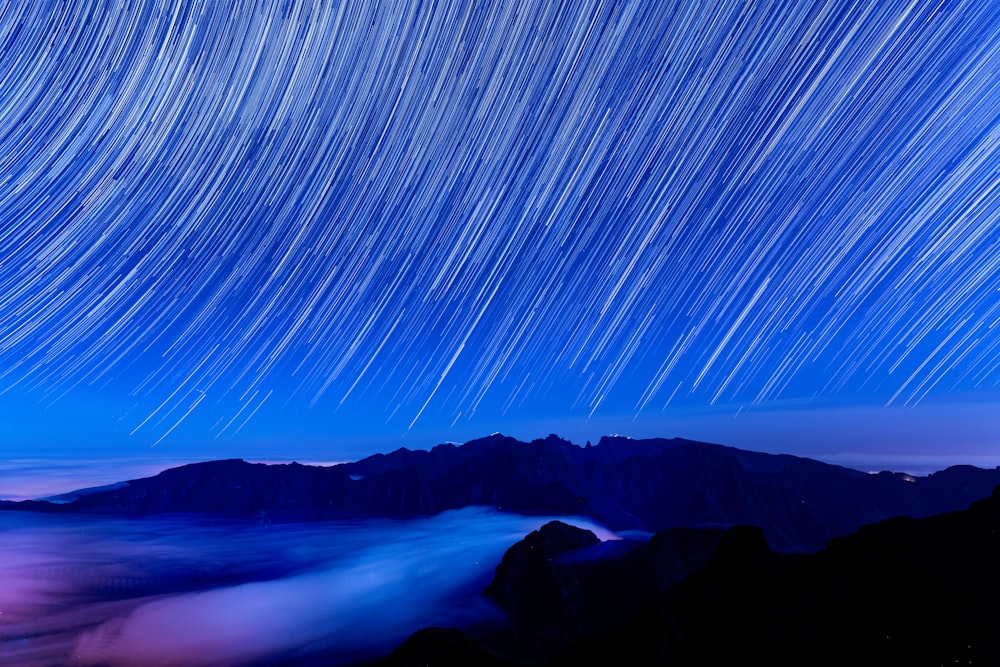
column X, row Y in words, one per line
column 322, row 232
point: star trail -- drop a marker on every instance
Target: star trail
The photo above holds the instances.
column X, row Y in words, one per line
column 390, row 217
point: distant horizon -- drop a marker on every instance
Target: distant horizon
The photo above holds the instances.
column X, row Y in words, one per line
column 33, row 477
column 944, row 430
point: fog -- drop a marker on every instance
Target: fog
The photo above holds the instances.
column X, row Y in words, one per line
column 168, row 591
column 29, row 478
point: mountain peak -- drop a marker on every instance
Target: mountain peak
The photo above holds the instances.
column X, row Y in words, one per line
column 648, row 485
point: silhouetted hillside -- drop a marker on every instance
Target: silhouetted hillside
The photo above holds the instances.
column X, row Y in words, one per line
column 649, row 485
column 904, row 592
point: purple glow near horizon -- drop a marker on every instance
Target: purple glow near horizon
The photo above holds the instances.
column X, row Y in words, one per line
column 195, row 592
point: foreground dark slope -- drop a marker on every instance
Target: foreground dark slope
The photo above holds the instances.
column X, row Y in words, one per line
column 904, row 592
column 649, row 485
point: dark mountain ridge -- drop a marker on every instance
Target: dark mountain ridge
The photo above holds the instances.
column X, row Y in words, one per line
column 648, row 485
column 913, row 592
column 901, row 592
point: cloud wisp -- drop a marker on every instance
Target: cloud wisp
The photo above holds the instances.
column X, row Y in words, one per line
column 169, row 591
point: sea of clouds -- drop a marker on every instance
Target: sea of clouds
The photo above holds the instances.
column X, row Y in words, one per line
column 186, row 590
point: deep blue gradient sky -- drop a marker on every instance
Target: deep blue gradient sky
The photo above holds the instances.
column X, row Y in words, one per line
column 342, row 227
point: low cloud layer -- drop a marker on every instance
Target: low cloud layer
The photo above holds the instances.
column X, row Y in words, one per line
column 174, row 591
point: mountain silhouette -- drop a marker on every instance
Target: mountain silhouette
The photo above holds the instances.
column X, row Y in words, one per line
column 646, row 485
column 913, row 592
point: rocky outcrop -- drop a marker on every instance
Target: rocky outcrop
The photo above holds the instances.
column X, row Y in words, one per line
column 561, row 581
column 918, row 592
column 542, row 595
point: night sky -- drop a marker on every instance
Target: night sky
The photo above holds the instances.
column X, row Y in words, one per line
column 337, row 228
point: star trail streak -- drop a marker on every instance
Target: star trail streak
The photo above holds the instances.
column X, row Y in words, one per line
column 404, row 215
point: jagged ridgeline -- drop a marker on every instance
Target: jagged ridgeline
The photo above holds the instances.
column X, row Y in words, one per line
column 647, row 485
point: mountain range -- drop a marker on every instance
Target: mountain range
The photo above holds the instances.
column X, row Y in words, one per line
column 626, row 484
column 728, row 556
